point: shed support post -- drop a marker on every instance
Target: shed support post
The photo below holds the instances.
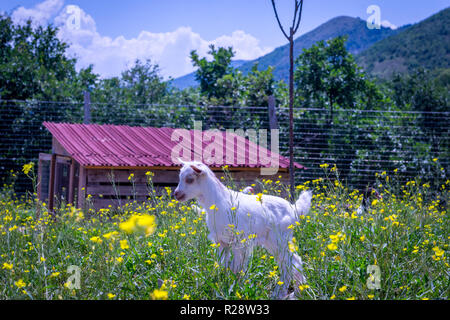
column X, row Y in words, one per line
column 51, row 187
column 71, row 182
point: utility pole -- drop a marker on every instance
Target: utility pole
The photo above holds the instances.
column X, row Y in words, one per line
column 292, row 30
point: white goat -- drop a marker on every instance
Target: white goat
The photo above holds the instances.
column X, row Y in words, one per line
column 198, row 210
column 237, row 221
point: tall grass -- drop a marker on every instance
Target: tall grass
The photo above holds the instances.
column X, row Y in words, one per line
column 405, row 237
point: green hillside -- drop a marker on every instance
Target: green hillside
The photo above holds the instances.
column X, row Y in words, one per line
column 425, row 44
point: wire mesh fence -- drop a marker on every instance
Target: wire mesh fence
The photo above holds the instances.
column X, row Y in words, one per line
column 359, row 143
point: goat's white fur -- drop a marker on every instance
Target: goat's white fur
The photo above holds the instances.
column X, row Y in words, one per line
column 268, row 219
column 246, row 190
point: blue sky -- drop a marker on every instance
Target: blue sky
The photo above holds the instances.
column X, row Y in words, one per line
column 113, row 33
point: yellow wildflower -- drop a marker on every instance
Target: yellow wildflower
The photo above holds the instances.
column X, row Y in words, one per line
column 27, row 167
column 332, row 246
column 159, row 294
column 96, row 239
column 7, row 266
column 144, row 223
column 124, row 244
column 303, row 287
column 438, row 252
column 19, row 283
column 111, row 234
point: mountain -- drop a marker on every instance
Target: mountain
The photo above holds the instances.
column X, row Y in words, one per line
column 188, row 80
column 425, row 44
column 359, row 38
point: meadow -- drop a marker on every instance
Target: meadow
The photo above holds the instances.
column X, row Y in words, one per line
column 159, row 249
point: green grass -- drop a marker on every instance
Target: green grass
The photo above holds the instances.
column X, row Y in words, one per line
column 406, row 236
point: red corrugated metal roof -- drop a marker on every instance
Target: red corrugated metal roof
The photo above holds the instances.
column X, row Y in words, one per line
column 114, row 146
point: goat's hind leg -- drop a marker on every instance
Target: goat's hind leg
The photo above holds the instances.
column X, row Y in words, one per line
column 278, row 247
column 240, row 257
column 284, row 259
column 297, row 270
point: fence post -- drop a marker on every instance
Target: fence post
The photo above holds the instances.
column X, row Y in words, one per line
column 273, row 122
column 87, row 107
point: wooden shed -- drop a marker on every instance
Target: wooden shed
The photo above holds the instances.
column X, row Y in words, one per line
column 110, row 162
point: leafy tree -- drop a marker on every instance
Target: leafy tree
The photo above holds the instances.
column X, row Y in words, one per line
column 34, row 66
column 229, row 89
column 143, row 84
column 327, row 76
column 186, row 97
column 419, row 92
column 259, row 86
column 209, row 72
column 222, row 85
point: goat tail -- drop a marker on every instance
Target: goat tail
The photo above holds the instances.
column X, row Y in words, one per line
column 303, row 204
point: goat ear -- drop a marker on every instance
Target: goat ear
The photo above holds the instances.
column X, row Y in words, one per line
column 196, row 170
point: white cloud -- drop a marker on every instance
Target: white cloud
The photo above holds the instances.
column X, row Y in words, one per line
column 246, row 46
column 387, row 24
column 40, row 14
column 110, row 56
